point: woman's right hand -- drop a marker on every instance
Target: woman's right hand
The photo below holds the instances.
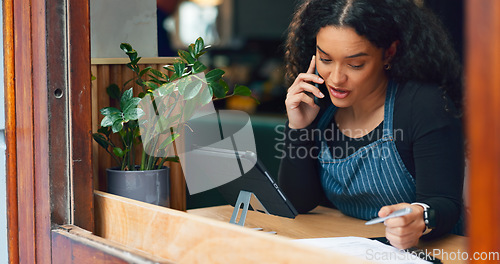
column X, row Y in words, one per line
column 300, row 106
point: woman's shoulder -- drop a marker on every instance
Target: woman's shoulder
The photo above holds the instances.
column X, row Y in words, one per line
column 423, row 107
column 425, row 98
column 418, row 90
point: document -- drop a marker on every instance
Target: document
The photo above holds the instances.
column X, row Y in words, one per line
column 364, row 248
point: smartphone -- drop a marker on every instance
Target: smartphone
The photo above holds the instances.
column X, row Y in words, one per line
column 321, row 88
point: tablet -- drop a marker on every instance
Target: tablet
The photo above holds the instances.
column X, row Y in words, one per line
column 256, row 180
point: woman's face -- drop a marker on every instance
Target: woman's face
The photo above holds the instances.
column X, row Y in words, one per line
column 352, row 67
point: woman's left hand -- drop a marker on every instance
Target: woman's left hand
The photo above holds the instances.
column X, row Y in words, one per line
column 403, row 232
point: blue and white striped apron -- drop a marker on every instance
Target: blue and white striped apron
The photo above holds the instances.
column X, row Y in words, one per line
column 372, row 177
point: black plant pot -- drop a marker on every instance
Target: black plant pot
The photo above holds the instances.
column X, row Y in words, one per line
column 151, row 186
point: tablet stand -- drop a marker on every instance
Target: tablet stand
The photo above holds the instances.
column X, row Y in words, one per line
column 246, row 198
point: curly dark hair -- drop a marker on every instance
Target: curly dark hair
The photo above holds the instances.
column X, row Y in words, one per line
column 424, row 54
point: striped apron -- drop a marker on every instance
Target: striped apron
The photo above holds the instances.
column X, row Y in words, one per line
column 372, row 177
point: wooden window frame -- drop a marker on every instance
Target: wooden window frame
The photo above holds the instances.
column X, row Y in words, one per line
column 47, row 86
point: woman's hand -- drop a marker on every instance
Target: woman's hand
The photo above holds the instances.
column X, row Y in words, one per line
column 403, row 232
column 300, row 106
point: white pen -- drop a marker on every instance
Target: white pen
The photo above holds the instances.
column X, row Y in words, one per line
column 397, row 213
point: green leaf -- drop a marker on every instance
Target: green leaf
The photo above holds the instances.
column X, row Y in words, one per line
column 198, row 46
column 145, row 70
column 127, row 96
column 132, row 125
column 198, row 67
column 109, row 120
column 133, row 57
column 224, row 84
column 169, row 140
column 106, row 111
column 156, row 80
column 174, row 77
column 117, row 126
column 199, row 54
column 101, row 140
column 182, row 83
column 160, row 126
column 169, row 68
column 130, row 104
column 191, row 50
column 166, row 89
column 122, row 134
column 126, row 47
column 113, row 91
column 179, row 68
column 192, row 89
column 139, row 82
column 173, row 159
column 214, row 75
column 217, row 89
column 106, row 121
column 151, row 85
column 158, row 73
column 137, row 133
column 205, row 96
column 118, row 152
column 189, row 108
column 242, row 90
column 92, row 77
column 186, row 56
column 134, row 60
column 133, row 114
column 104, row 130
column 163, row 124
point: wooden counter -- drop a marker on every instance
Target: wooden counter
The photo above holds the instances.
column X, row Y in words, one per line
column 179, row 237
column 327, row 222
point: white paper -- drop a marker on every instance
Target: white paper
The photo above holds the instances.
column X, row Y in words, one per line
column 364, row 248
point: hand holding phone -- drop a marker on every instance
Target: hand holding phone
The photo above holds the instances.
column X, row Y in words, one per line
column 300, row 103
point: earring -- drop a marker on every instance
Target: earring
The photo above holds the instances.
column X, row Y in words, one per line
column 387, row 66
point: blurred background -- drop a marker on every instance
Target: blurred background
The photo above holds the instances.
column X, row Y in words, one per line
column 246, row 39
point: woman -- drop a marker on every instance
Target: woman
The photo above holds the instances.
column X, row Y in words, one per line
column 384, row 131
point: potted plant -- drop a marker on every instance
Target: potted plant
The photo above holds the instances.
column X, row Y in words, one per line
column 154, row 120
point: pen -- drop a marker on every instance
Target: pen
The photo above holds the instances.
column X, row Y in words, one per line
column 397, row 213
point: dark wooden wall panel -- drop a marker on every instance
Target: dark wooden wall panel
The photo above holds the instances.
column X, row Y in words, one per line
column 177, row 187
column 101, row 157
column 483, row 124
